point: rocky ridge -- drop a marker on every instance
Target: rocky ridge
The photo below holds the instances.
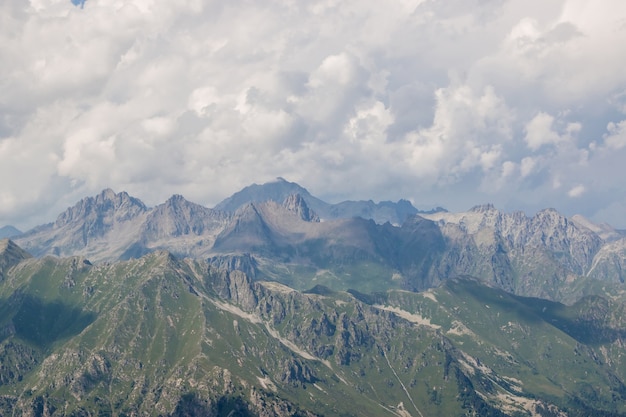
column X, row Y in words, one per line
column 280, row 189
column 163, row 336
column 546, row 255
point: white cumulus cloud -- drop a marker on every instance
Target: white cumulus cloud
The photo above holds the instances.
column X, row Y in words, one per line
column 447, row 103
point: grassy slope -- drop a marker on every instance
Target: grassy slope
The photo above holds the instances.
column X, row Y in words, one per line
column 528, row 346
column 143, row 336
column 163, row 337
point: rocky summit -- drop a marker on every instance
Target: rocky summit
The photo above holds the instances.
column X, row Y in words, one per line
column 294, row 240
column 267, row 305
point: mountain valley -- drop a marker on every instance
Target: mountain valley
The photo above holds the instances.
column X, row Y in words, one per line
column 275, row 303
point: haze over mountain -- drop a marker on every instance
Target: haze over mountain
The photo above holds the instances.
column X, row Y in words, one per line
column 283, row 302
column 9, row 231
column 280, row 189
column 292, row 242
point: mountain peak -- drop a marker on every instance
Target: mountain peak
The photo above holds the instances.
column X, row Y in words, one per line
column 10, row 255
column 298, row 205
column 122, row 205
column 7, row 245
column 176, row 199
column 551, row 215
column 483, row 208
column 9, row 231
column 177, row 217
column 277, row 191
column 107, row 194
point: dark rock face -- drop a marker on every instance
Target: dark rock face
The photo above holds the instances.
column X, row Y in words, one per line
column 10, row 255
column 248, row 230
column 245, row 263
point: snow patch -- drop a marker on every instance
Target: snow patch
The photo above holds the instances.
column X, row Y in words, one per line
column 430, row 295
column 412, row 317
column 459, row 329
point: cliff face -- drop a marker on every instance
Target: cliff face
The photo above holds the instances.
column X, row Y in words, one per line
column 532, row 256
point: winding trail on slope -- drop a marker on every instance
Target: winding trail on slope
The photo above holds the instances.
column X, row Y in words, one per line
column 402, row 384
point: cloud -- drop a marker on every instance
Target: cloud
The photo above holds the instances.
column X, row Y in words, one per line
column 577, row 191
column 616, row 138
column 448, row 103
column 466, row 134
column 540, row 131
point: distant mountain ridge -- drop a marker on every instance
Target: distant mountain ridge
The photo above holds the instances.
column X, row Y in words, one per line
column 296, row 241
column 279, row 189
column 9, row 231
column 275, row 310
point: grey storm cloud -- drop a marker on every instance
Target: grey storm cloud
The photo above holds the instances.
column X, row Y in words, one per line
column 453, row 103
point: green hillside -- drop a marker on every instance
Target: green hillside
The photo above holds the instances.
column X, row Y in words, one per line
column 167, row 337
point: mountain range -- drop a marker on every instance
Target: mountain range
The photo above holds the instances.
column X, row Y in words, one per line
column 299, row 240
column 275, row 303
column 9, row 231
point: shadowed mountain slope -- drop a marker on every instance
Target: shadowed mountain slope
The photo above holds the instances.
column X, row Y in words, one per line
column 545, row 255
column 164, row 336
column 280, row 189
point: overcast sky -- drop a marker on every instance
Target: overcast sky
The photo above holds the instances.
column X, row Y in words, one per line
column 521, row 103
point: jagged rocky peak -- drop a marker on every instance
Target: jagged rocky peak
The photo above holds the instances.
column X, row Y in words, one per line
column 244, row 262
column 246, row 216
column 176, row 199
column 122, row 205
column 549, row 213
column 10, row 255
column 437, row 209
column 247, row 210
column 179, row 216
column 297, row 204
column 558, row 232
column 483, row 208
column 109, row 198
column 405, row 206
column 551, row 217
column 179, row 204
column 8, row 248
